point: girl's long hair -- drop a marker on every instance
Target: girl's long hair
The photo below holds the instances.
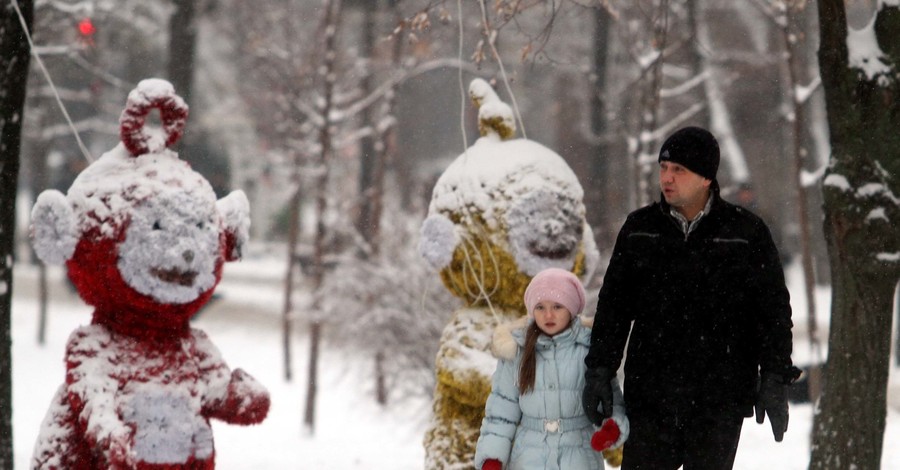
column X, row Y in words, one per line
column 527, row 369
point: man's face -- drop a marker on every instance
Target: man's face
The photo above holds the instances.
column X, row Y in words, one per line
column 681, row 187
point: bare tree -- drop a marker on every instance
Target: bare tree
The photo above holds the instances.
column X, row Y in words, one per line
column 861, row 212
column 327, row 77
column 786, row 15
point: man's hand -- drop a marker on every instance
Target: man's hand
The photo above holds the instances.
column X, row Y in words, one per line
column 597, row 397
column 772, row 401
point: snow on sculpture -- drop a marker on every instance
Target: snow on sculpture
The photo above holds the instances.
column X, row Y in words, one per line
column 501, row 212
column 144, row 240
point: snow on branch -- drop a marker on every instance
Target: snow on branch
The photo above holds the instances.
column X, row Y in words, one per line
column 865, row 55
column 802, row 93
column 685, row 86
column 809, row 179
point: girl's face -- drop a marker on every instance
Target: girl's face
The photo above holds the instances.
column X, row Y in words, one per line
column 551, row 317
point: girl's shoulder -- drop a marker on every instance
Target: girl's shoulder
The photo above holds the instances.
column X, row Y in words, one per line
column 583, row 328
column 510, row 336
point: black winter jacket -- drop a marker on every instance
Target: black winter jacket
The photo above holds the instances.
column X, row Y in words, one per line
column 710, row 311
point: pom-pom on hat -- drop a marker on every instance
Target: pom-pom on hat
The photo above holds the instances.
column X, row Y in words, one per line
column 556, row 285
column 693, row 148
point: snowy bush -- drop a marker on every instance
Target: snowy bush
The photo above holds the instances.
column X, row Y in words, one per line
column 392, row 305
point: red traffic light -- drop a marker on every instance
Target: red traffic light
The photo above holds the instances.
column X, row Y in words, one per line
column 86, row 27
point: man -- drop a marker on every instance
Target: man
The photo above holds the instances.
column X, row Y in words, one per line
column 701, row 282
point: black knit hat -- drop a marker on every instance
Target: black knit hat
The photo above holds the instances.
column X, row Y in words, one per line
column 693, row 148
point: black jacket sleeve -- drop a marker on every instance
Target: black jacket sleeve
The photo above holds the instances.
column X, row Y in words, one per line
column 612, row 321
column 774, row 308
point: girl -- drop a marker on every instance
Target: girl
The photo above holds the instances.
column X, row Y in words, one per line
column 534, row 418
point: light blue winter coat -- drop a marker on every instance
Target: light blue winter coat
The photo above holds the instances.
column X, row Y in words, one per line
column 522, row 431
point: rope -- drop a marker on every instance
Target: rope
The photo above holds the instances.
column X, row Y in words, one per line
column 479, row 280
column 37, row 58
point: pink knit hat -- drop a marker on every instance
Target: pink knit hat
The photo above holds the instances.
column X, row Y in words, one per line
column 556, row 285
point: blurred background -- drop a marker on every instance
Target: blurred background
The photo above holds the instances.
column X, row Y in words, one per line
column 336, row 117
column 586, row 76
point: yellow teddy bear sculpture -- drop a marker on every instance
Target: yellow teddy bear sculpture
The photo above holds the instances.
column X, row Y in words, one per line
column 501, row 212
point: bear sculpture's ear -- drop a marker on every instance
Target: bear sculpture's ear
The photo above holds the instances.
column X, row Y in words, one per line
column 54, row 231
column 439, row 239
column 235, row 212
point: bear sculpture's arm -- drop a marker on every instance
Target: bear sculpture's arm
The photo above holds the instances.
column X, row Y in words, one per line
column 58, row 445
column 93, row 381
column 231, row 396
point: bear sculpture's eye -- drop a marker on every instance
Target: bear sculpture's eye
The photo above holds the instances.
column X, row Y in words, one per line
column 201, row 225
column 157, row 225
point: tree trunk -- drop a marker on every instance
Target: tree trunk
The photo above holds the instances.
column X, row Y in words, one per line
column 182, row 44
column 599, row 197
column 42, row 303
column 329, row 54
column 698, row 61
column 791, row 66
column 861, row 214
column 14, row 60
column 650, row 101
column 370, row 175
column 287, row 314
column 366, row 222
column 39, row 172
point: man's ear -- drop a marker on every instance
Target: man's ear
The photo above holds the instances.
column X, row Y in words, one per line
column 235, row 212
column 54, row 230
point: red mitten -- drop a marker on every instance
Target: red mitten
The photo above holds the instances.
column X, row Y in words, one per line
column 606, row 436
column 247, row 402
column 491, row 464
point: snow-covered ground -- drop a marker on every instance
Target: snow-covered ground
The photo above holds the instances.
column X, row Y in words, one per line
column 351, row 431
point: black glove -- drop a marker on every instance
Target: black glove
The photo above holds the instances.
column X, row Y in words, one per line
column 772, row 400
column 597, row 394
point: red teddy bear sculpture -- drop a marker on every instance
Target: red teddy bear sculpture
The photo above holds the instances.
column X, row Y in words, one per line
column 144, row 240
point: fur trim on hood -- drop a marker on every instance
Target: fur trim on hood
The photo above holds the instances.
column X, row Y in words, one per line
column 503, row 343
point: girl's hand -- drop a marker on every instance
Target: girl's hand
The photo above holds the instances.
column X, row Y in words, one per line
column 606, row 436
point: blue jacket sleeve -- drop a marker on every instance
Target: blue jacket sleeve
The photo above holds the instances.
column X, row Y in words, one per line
column 501, row 416
column 619, row 414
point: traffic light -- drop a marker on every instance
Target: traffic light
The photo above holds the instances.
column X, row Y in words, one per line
column 86, row 28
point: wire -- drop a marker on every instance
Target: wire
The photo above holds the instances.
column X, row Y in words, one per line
column 37, row 57
column 462, row 87
column 479, row 279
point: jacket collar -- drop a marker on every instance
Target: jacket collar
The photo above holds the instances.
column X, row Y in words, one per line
column 509, row 337
column 715, row 200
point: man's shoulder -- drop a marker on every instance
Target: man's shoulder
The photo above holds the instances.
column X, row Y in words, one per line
column 646, row 218
column 739, row 214
column 648, row 212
